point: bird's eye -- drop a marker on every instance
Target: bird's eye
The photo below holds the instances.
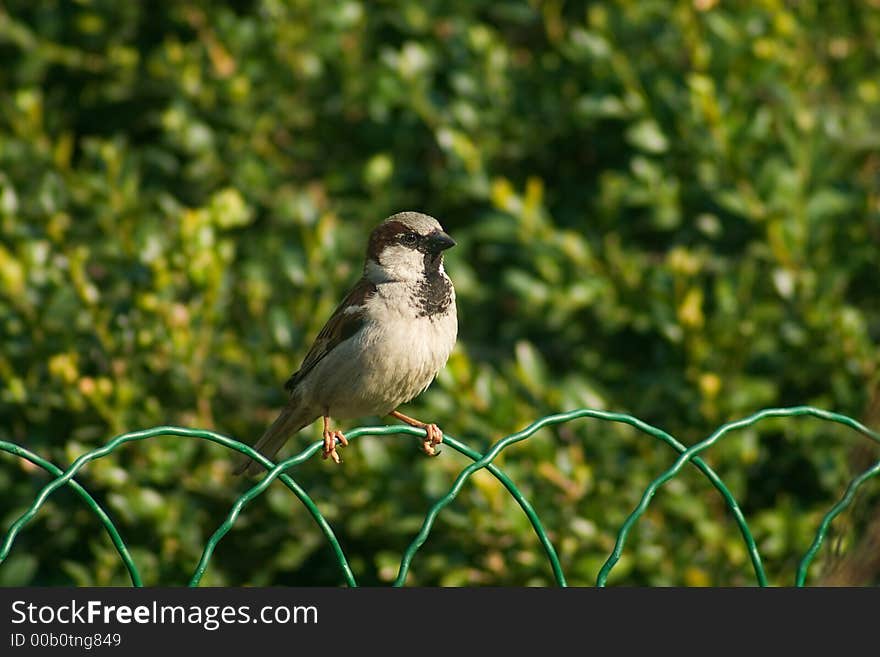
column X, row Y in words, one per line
column 410, row 238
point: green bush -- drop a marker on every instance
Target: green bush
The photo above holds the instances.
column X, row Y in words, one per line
column 670, row 209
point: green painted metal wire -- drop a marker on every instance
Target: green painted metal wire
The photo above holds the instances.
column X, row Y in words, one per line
column 27, row 455
column 844, row 502
column 68, row 475
column 480, row 461
column 422, row 536
column 378, row 431
column 705, row 444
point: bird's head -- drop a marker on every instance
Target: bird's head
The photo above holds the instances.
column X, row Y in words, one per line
column 406, row 246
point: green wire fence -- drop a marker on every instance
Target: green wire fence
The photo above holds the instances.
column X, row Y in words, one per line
column 480, row 461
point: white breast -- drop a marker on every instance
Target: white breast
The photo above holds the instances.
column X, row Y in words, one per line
column 393, row 359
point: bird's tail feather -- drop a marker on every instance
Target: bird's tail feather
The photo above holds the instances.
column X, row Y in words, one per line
column 288, row 422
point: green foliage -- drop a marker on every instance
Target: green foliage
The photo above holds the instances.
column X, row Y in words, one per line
column 669, row 209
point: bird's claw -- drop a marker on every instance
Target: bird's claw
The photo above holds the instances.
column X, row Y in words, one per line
column 433, row 438
column 330, row 438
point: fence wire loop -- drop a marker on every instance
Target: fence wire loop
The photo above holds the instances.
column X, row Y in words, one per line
column 479, row 461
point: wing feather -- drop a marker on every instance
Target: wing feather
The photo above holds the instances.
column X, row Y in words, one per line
column 346, row 320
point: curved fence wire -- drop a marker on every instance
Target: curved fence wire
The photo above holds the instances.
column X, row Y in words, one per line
column 280, row 471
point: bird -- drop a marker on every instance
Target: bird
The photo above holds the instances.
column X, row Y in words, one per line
column 382, row 346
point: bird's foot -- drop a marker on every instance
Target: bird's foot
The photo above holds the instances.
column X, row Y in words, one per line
column 330, row 438
column 434, row 438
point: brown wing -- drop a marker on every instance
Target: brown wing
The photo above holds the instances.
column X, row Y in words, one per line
column 345, row 321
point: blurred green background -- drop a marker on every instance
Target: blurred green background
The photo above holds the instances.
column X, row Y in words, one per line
column 669, row 209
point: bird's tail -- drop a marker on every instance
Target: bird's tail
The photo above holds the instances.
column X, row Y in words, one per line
column 288, row 422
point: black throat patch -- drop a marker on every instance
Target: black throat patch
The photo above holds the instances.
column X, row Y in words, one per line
column 435, row 291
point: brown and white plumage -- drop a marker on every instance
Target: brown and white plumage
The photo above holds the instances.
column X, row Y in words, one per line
column 384, row 343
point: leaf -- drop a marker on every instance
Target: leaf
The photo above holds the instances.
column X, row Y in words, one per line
column 647, row 136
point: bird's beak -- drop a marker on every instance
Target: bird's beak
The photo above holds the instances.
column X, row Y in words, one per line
column 439, row 241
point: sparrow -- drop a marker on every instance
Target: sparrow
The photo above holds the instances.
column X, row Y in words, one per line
column 382, row 346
